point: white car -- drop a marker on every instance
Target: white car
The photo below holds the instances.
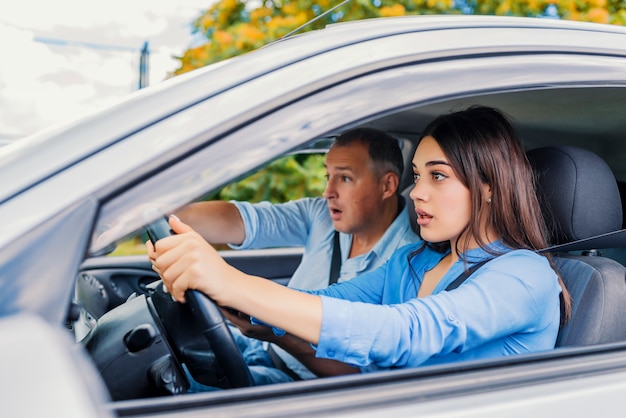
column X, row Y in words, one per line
column 70, row 193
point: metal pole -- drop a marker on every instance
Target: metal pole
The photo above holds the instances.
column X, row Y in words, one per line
column 143, row 65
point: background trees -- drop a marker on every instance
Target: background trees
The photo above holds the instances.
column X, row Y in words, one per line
column 233, row 27
column 286, row 179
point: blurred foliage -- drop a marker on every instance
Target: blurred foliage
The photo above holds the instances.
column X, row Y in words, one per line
column 285, row 179
column 132, row 246
column 597, row 11
column 233, row 27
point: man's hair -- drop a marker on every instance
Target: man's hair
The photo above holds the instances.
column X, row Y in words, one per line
column 384, row 150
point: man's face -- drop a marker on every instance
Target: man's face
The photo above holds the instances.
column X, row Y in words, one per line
column 354, row 192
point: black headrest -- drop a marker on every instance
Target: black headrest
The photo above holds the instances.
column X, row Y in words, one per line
column 578, row 191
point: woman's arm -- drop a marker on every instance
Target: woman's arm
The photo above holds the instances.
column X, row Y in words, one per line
column 509, row 306
column 186, row 261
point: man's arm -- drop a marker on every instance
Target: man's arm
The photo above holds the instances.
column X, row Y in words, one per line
column 305, row 354
column 217, row 221
column 297, row 347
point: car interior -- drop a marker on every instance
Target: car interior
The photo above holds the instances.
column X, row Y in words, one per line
column 122, row 311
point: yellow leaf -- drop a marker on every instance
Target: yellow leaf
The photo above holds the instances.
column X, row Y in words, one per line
column 223, row 38
column 598, row 15
column 395, row 10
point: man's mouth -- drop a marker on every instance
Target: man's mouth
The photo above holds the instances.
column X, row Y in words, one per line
column 335, row 213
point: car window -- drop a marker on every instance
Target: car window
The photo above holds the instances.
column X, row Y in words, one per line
column 396, row 110
column 297, row 175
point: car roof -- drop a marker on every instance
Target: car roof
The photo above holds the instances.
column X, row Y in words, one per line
column 31, row 160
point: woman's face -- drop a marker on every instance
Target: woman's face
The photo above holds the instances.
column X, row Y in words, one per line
column 442, row 202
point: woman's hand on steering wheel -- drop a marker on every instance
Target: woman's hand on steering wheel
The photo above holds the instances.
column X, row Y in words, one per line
column 185, row 260
column 165, row 250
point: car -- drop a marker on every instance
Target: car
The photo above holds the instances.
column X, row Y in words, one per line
column 73, row 191
column 7, row 139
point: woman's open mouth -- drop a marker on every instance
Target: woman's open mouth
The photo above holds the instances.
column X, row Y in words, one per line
column 423, row 218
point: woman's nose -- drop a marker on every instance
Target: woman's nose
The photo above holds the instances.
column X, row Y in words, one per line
column 417, row 192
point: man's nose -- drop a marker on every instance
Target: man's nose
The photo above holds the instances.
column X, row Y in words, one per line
column 329, row 190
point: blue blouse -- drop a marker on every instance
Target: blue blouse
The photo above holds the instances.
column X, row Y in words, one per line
column 375, row 321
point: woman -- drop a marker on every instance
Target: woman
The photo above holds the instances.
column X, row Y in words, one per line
column 475, row 200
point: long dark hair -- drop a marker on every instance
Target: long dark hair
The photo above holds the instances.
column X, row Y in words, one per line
column 483, row 147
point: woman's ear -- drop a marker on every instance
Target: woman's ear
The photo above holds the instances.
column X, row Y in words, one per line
column 487, row 192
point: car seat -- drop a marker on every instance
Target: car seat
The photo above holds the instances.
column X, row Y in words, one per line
column 580, row 201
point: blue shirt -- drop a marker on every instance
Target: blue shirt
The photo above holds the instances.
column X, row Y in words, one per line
column 508, row 306
column 307, row 223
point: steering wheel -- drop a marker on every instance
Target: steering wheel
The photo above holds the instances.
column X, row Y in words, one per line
column 210, row 322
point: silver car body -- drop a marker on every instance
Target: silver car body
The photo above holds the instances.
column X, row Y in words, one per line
column 69, row 192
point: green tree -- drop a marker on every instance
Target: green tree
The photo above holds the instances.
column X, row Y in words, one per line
column 232, row 27
column 598, row 11
column 285, row 179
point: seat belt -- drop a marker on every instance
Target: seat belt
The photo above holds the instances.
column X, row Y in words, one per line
column 335, row 267
column 335, row 262
column 466, row 273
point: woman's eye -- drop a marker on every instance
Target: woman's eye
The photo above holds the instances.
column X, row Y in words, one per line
column 346, row 179
column 438, row 176
column 416, row 177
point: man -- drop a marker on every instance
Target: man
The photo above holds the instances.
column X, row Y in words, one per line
column 361, row 202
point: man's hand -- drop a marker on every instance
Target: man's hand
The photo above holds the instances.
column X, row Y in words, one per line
column 242, row 321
